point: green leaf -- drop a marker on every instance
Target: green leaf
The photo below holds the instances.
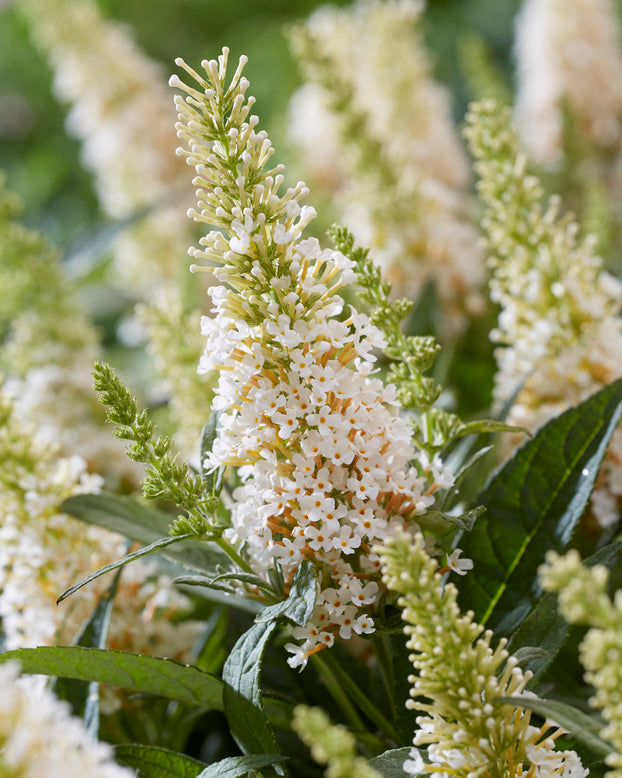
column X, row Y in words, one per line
column 134, row 672
column 213, row 583
column 137, row 521
column 389, row 764
column 84, row 696
column 213, row 478
column 242, row 695
column 145, row 551
column 581, row 726
column 213, row 650
column 440, row 523
column 544, row 629
column 154, row 762
column 533, row 504
column 298, row 607
column 236, row 766
column 484, row 426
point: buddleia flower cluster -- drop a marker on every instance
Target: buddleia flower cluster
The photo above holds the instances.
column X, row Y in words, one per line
column 121, row 113
column 43, row 551
column 47, row 346
column 459, row 678
column 39, row 736
column 569, row 60
column 325, row 468
column 38, row 551
column 583, row 599
column 117, row 96
column 376, row 125
column 559, row 332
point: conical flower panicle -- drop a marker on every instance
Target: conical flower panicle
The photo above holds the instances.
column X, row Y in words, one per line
column 323, row 461
column 583, row 599
column 459, row 679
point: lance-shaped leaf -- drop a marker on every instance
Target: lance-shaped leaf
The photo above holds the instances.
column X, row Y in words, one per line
column 145, row 551
column 244, row 708
column 243, row 703
column 215, row 581
column 134, row 672
column 154, row 762
column 239, row 766
column 142, row 523
column 583, row 727
column 389, row 764
column 534, row 504
column 84, row 696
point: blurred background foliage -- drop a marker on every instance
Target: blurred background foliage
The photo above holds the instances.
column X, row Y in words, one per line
column 43, row 163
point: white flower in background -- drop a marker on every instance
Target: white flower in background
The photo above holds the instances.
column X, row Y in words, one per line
column 323, row 461
column 43, row 552
column 568, row 56
column 559, row 331
column 39, row 736
column 374, row 129
column 48, row 348
column 122, row 114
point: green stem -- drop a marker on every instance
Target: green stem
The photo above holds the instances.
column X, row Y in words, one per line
column 363, row 702
column 334, row 687
column 233, row 555
column 385, row 664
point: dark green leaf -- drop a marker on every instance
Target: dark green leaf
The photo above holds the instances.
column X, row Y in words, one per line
column 298, row 607
column 242, row 695
column 153, row 762
column 213, row 650
column 137, row 521
column 145, row 551
column 389, row 764
column 533, row 504
column 236, row 766
column 545, row 629
column 134, row 672
column 581, row 726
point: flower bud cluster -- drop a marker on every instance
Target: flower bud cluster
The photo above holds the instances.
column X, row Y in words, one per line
column 330, row 744
column 583, row 599
column 324, row 464
column 459, row 679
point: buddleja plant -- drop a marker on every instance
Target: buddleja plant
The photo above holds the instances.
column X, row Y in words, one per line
column 317, row 511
